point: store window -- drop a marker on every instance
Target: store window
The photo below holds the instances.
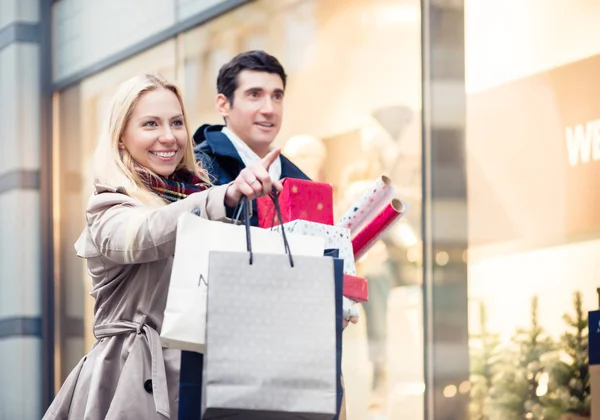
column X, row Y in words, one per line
column 534, row 211
column 79, row 112
column 352, row 112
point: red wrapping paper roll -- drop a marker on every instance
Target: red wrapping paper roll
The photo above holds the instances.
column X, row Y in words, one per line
column 373, row 230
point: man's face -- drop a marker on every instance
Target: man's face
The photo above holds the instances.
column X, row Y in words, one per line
column 256, row 112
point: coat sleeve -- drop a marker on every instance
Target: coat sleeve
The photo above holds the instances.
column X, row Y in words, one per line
column 127, row 232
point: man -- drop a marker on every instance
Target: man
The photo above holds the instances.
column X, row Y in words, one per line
column 251, row 89
column 250, row 93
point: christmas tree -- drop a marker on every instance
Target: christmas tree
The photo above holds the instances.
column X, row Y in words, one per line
column 521, row 384
column 571, row 373
column 484, row 355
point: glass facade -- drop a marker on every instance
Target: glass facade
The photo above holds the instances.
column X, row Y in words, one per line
column 352, row 112
column 533, row 210
column 490, row 135
column 349, row 117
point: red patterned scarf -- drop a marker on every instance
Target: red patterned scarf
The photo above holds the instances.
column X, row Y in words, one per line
column 177, row 186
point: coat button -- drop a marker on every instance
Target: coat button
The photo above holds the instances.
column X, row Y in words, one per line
column 148, row 386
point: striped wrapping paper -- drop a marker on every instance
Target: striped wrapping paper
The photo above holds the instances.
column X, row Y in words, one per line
column 374, row 199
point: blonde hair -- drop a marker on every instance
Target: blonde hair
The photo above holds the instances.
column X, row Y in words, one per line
column 115, row 167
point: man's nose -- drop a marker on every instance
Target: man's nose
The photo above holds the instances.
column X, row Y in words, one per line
column 267, row 106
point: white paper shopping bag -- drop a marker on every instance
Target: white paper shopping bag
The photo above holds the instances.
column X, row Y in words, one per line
column 184, row 321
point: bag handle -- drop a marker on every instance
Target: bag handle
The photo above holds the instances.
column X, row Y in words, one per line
column 245, row 210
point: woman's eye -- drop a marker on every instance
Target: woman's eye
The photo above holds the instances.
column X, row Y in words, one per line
column 150, row 124
column 178, row 122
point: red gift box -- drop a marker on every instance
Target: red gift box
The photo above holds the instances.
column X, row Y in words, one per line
column 356, row 288
column 299, row 200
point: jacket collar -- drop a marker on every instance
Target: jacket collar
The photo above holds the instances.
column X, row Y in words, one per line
column 211, row 140
column 217, row 142
column 289, row 170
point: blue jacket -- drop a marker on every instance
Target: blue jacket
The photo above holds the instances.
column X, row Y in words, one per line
column 218, row 156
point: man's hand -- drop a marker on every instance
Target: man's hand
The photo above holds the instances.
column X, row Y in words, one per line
column 352, row 319
column 253, row 181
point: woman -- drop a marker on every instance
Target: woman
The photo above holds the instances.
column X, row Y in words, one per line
column 145, row 178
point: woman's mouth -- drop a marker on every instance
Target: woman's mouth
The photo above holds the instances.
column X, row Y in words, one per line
column 164, row 155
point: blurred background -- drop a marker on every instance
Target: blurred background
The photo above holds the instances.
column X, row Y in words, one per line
column 485, row 114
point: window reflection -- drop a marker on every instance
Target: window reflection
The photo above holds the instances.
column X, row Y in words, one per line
column 533, row 213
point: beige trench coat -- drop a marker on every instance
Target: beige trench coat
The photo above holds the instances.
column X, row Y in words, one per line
column 127, row 375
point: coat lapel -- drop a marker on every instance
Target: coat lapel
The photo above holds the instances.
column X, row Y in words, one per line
column 289, row 170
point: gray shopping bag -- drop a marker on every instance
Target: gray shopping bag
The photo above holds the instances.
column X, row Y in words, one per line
column 270, row 337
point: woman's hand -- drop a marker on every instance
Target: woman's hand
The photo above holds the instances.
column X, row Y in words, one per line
column 253, row 181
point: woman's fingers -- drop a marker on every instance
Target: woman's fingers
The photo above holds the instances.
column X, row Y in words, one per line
column 263, row 176
column 259, row 179
column 246, row 190
column 268, row 160
column 278, row 185
column 254, row 181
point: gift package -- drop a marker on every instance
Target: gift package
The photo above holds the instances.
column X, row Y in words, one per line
column 373, row 214
column 307, row 209
column 356, row 288
column 335, row 238
column 297, row 259
column 299, row 200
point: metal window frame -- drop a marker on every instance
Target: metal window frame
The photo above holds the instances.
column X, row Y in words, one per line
column 46, row 214
column 437, row 305
column 169, row 33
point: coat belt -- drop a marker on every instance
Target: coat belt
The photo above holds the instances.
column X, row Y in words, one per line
column 159, row 375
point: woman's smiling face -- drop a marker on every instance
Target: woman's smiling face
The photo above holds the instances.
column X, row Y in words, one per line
column 155, row 135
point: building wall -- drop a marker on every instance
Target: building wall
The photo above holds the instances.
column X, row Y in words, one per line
column 20, row 250
column 87, row 32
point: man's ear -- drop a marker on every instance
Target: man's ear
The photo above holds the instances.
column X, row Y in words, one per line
column 222, row 105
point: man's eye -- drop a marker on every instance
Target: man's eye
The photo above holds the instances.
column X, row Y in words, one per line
column 254, row 94
column 278, row 97
column 150, row 124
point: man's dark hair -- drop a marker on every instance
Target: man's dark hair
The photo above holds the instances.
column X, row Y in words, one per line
column 227, row 81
